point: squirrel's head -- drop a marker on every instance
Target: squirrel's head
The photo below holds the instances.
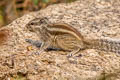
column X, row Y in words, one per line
column 39, row 26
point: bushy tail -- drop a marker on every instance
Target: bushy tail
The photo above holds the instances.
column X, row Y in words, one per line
column 106, row 44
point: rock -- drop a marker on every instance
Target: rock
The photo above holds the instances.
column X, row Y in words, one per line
column 93, row 18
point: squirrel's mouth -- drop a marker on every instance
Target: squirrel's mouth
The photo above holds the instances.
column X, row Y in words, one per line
column 31, row 30
column 29, row 27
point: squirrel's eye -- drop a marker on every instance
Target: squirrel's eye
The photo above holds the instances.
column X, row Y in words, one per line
column 31, row 23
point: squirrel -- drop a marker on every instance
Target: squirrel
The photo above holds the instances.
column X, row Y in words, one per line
column 66, row 37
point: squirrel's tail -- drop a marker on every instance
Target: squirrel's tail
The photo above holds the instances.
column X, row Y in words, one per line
column 105, row 44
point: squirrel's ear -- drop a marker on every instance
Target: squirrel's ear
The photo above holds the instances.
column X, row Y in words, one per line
column 4, row 33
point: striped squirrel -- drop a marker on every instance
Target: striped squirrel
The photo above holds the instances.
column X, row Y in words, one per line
column 66, row 37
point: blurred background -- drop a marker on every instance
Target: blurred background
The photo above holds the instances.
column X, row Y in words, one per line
column 11, row 9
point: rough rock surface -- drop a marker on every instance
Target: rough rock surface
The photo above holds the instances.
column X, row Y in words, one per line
column 93, row 18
